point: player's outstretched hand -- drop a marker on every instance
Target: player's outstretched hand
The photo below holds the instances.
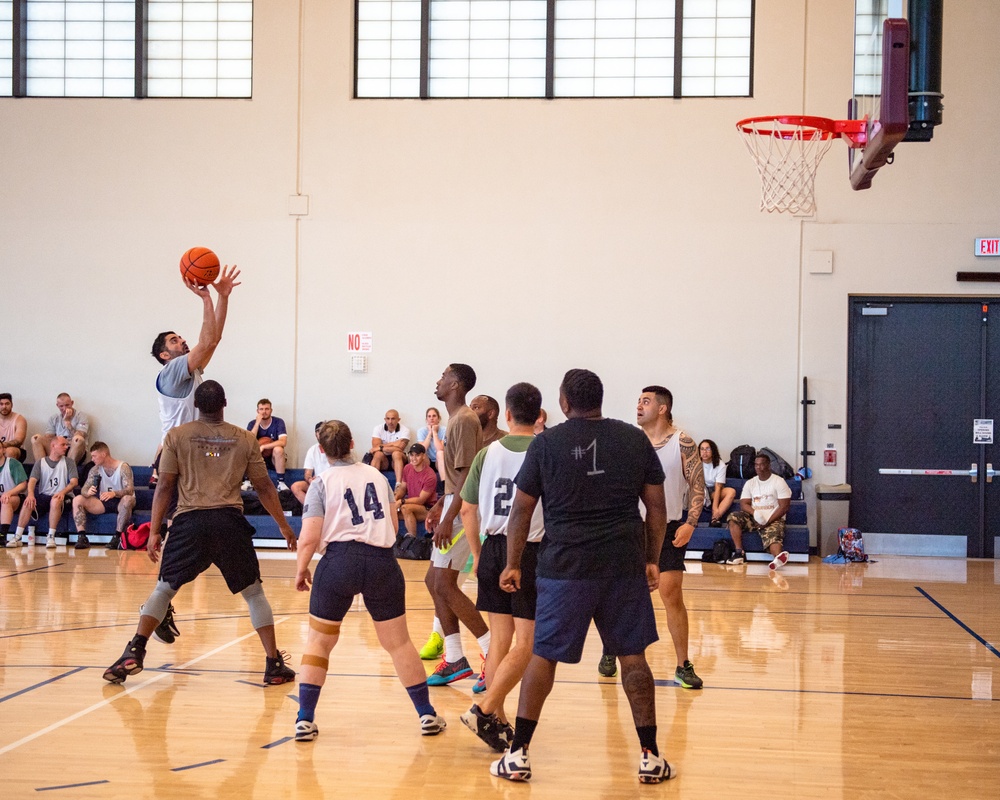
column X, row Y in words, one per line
column 201, row 291
column 303, row 580
column 226, row 281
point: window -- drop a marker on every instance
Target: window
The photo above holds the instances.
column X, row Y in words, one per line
column 95, row 48
column 589, row 48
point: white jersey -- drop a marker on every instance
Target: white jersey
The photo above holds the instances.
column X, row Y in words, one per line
column 113, row 482
column 7, row 481
column 675, row 486
column 54, row 479
column 176, row 411
column 358, row 506
column 496, row 492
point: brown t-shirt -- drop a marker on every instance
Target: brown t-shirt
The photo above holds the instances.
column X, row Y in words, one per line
column 210, row 459
column 496, row 436
column 463, row 439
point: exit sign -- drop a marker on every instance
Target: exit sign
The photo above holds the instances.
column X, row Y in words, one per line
column 988, row 247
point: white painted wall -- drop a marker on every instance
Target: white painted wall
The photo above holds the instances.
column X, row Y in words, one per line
column 524, row 237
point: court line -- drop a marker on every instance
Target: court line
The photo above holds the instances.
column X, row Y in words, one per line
column 42, row 683
column 70, row 786
column 26, row 571
column 961, row 624
column 195, row 766
column 282, row 740
column 73, row 717
column 669, row 684
column 131, row 622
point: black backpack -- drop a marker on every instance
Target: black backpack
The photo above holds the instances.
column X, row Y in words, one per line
column 740, row 464
column 720, row 553
column 779, row 466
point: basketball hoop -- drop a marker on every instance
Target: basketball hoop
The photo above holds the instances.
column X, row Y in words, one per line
column 787, row 151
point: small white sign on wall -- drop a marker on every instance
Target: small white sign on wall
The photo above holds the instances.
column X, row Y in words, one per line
column 359, row 342
column 982, row 431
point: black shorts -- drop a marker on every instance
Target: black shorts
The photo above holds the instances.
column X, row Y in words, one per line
column 672, row 558
column 111, row 506
column 494, row 600
column 351, row 568
column 44, row 501
column 198, row 539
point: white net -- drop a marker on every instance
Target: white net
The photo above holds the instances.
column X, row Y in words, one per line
column 787, row 155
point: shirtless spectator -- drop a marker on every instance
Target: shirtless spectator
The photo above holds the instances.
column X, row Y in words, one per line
column 272, row 436
column 389, row 442
column 488, row 411
column 13, row 429
column 70, row 423
column 316, row 464
column 53, row 479
column 108, row 489
column 417, row 493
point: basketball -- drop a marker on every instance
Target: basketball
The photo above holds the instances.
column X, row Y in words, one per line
column 264, row 440
column 200, row 265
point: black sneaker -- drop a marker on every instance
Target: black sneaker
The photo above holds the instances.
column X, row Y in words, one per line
column 687, row 678
column 487, row 727
column 82, row 542
column 129, row 664
column 737, row 557
column 169, row 622
column 116, row 541
column 3, row 540
column 275, row 672
column 608, row 666
column 166, row 631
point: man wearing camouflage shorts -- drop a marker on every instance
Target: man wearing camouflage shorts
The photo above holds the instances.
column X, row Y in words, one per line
column 763, row 507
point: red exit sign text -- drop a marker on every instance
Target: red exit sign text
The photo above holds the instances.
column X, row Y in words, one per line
column 988, row 247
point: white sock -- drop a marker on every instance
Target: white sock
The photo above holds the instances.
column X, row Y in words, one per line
column 52, row 531
column 437, row 627
column 18, row 532
column 453, row 648
column 484, row 643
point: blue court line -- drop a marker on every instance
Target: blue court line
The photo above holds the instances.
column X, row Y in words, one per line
column 282, row 740
column 961, row 624
column 70, row 786
column 36, row 569
column 294, row 697
column 195, row 766
column 666, row 683
column 39, row 685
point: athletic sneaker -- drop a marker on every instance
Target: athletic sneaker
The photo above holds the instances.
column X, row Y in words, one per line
column 480, row 686
column 434, row 648
column 449, row 672
column 129, row 664
column 305, row 731
column 512, row 766
column 432, row 725
column 738, row 557
column 779, row 561
column 686, row 677
column 654, row 769
column 487, row 727
column 50, row 542
column 3, row 540
column 166, row 631
column 116, row 541
column 16, row 541
column 282, row 486
column 276, row 672
column 246, row 486
column 608, row 666
column 82, row 542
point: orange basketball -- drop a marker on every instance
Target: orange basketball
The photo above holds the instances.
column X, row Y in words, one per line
column 199, row 264
column 264, row 440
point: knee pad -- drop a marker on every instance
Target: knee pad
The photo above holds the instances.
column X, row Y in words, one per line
column 260, row 610
column 159, row 600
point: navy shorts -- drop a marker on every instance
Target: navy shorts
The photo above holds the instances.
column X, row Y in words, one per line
column 620, row 607
column 494, row 600
column 351, row 568
column 198, row 539
column 111, row 506
column 672, row 558
column 44, row 501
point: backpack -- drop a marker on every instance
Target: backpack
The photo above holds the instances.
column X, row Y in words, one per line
column 720, row 553
column 134, row 538
column 413, row 548
column 852, row 546
column 740, row 464
column 779, row 466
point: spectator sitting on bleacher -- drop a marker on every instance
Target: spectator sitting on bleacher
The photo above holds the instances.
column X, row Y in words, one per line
column 488, row 411
column 272, row 436
column 763, row 506
column 13, row 482
column 417, row 493
column 70, row 423
column 389, row 442
column 55, row 478
column 718, row 496
column 431, row 436
column 108, row 489
column 13, row 429
column 316, row 464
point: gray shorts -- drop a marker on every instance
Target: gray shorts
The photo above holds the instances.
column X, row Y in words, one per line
column 457, row 556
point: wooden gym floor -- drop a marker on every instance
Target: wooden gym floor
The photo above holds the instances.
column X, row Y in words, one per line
column 877, row 680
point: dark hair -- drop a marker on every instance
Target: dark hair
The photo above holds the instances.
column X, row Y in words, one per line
column 583, row 390
column 416, row 447
column 6, row 396
column 160, row 344
column 100, row 446
column 210, row 397
column 716, row 458
column 663, row 397
column 263, row 402
column 492, row 404
column 335, row 437
column 465, row 374
column 762, row 455
column 319, row 424
column 524, row 402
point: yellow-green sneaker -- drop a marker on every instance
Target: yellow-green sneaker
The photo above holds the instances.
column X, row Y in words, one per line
column 434, row 647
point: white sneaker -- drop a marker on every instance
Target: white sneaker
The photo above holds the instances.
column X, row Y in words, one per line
column 431, row 725
column 779, row 561
column 282, row 487
column 246, row 486
column 512, row 766
column 654, row 769
column 305, row 731
column 16, row 541
column 50, row 542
